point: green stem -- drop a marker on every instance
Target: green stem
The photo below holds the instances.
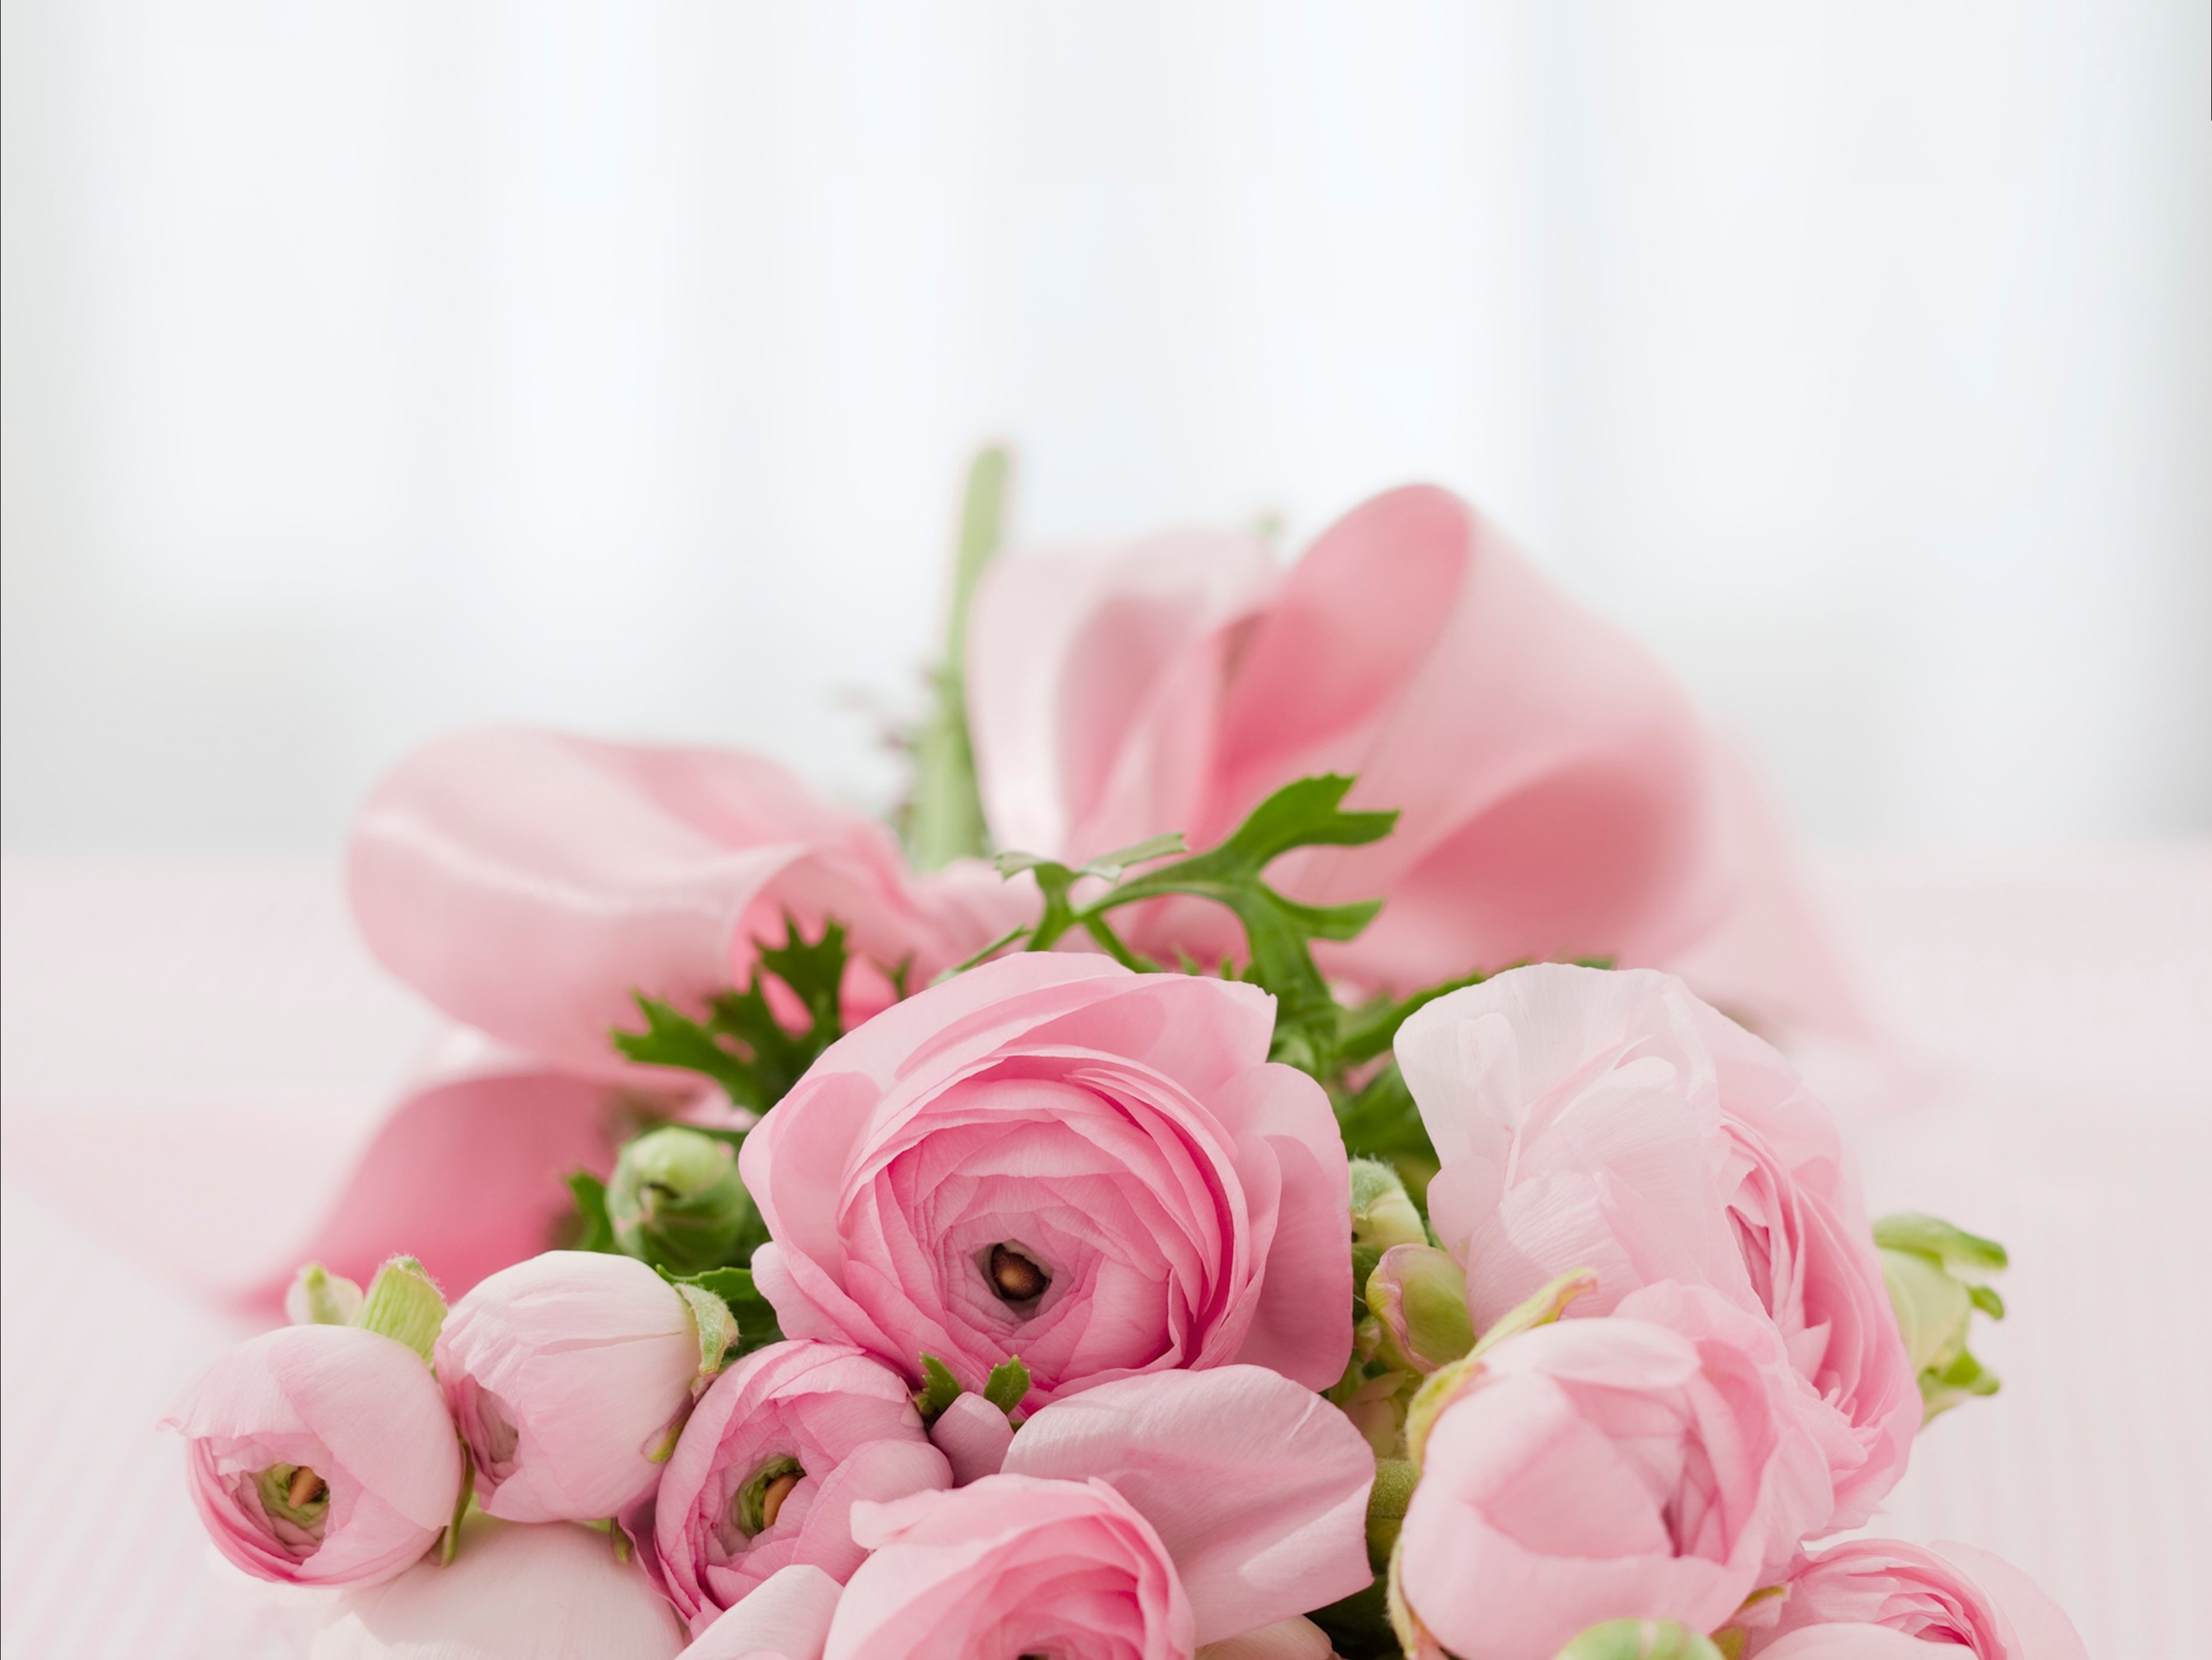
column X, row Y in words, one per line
column 947, row 822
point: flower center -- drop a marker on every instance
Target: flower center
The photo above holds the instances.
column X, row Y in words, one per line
column 297, row 1502
column 1015, row 1277
column 754, row 1506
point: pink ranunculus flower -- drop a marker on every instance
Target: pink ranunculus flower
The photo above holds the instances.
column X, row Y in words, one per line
column 568, row 1375
column 769, row 1466
column 1560, row 797
column 515, row 1591
column 1136, row 1521
column 1653, row 1465
column 1052, row 1158
column 1609, row 1119
column 1869, row 1598
column 320, row 1455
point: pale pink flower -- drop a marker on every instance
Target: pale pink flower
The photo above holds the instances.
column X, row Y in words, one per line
column 320, row 1455
column 1611, row 1120
column 1868, row 1597
column 1052, row 1158
column 1139, row 1519
column 514, row 1592
column 1559, row 796
column 1652, row 1465
column 769, row 1466
column 568, row 1375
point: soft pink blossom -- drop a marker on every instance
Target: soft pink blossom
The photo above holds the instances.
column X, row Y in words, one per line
column 1133, row 1522
column 1652, row 1465
column 514, row 1592
column 1610, row 1120
column 1854, row 1597
column 1117, row 1142
column 320, row 1455
column 1559, row 796
column 568, row 1375
column 844, row 1425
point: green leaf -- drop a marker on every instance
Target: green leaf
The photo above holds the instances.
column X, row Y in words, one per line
column 940, row 1389
column 1007, row 1384
column 741, row 1044
column 593, row 1230
column 946, row 821
column 1967, row 1256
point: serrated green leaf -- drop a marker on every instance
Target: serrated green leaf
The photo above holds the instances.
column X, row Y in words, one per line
column 1007, row 1384
column 741, row 1044
column 940, row 1389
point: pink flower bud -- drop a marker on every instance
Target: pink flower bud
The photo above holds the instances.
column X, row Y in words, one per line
column 568, row 1375
column 321, row 1455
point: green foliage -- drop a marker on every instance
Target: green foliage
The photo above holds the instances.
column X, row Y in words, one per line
column 1936, row 1274
column 940, row 1389
column 1008, row 1383
column 591, row 1229
column 741, row 1045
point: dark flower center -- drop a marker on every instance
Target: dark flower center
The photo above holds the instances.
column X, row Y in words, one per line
column 1014, row 1277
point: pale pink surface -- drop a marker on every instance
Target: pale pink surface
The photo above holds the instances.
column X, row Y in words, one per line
column 514, row 1592
column 1188, row 1200
column 1257, row 1488
column 1011, row 1565
column 973, row 1435
column 785, row 1617
column 528, row 882
column 1652, row 1465
column 1286, row 1639
column 362, row 1412
column 1559, row 796
column 1948, row 1593
column 566, row 1373
column 849, row 1422
column 1612, row 1121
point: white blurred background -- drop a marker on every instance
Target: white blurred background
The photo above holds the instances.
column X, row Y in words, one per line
column 372, row 368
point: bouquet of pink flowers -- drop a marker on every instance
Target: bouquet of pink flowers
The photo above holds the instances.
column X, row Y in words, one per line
column 1304, row 1195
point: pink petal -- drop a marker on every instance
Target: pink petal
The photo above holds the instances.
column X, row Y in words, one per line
column 786, row 1617
column 1257, row 1487
column 973, row 1435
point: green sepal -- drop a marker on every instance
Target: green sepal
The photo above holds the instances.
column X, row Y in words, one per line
column 403, row 1305
column 1008, row 1385
column 715, row 1323
column 1967, row 1255
column 319, row 1298
column 676, row 1201
column 755, row 1315
column 940, row 1389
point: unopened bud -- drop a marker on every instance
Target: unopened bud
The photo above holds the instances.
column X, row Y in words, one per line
column 1935, row 1274
column 1394, row 1480
column 1640, row 1640
column 1417, row 1296
column 318, row 1298
column 675, row 1201
column 1382, row 1213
